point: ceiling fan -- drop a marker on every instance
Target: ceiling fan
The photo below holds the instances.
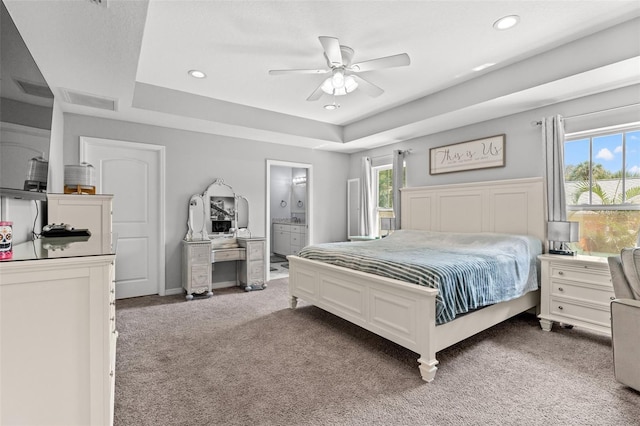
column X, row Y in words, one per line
column 345, row 76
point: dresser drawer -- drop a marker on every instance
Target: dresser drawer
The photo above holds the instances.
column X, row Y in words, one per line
column 200, row 254
column 281, row 228
column 570, row 310
column 297, row 228
column 226, row 255
column 256, row 272
column 255, row 251
column 200, row 275
column 586, row 273
column 595, row 294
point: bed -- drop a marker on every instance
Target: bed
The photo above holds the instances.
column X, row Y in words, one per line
column 406, row 313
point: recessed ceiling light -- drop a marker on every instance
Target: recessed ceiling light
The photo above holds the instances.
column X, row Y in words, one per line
column 197, row 74
column 483, row 66
column 332, row 107
column 506, row 22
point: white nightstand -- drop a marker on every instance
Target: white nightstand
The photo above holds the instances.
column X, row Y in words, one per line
column 576, row 290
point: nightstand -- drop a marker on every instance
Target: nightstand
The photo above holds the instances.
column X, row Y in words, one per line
column 575, row 290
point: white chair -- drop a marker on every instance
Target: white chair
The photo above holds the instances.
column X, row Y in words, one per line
column 625, row 316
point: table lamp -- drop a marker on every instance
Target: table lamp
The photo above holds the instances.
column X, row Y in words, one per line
column 562, row 232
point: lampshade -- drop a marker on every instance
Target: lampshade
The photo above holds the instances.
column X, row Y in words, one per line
column 387, row 223
column 563, row 231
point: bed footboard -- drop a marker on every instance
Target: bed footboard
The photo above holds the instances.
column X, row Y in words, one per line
column 400, row 312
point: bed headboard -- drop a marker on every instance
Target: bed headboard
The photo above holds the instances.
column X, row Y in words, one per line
column 514, row 206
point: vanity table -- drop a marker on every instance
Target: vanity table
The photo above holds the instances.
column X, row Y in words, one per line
column 58, row 334
column 218, row 232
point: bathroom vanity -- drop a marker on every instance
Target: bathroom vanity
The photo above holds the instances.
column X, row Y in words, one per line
column 218, row 231
column 288, row 237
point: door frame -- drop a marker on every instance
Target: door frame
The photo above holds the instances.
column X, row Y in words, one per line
column 86, row 141
column 309, row 203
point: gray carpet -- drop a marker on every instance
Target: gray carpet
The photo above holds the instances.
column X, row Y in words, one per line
column 246, row 359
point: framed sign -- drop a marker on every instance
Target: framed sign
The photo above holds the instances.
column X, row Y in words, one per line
column 476, row 154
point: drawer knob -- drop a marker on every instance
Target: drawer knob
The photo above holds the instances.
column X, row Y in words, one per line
column 612, row 298
column 560, row 289
column 560, row 273
column 560, row 307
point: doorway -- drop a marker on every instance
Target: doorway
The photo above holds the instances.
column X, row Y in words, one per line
column 289, row 212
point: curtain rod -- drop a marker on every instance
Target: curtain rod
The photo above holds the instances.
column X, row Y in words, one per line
column 538, row 123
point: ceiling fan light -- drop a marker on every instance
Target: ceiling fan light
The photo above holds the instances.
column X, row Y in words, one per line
column 350, row 84
column 327, row 87
column 337, row 80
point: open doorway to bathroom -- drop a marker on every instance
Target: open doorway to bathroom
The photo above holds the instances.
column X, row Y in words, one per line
column 288, row 221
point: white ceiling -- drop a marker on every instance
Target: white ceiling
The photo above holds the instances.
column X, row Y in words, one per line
column 138, row 53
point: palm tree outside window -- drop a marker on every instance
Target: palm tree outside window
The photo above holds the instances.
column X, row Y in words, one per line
column 602, row 185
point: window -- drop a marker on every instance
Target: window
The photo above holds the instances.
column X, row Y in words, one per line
column 602, row 184
column 383, row 183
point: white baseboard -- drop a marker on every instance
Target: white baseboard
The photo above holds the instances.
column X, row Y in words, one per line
column 180, row 290
column 173, row 291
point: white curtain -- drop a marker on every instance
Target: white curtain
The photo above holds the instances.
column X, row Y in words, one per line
column 398, row 174
column 553, row 152
column 366, row 225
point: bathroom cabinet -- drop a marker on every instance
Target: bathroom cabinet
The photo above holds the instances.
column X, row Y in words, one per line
column 288, row 238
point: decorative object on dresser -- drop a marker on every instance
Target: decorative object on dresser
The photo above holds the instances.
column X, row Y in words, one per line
column 625, row 316
column 576, row 290
column 405, row 313
column 79, row 179
column 562, row 232
column 218, row 231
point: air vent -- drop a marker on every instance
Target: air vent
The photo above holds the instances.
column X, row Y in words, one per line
column 102, row 3
column 86, row 99
column 34, row 89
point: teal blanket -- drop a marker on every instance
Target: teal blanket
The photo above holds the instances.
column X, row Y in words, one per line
column 469, row 270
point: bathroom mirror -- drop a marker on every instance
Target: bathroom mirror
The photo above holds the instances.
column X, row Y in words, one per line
column 217, row 214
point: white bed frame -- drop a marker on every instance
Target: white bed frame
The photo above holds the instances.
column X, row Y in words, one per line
column 405, row 313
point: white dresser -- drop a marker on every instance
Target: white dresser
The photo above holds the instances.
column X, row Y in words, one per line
column 576, row 290
column 57, row 336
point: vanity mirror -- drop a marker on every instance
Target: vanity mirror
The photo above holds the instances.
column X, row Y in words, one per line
column 219, row 215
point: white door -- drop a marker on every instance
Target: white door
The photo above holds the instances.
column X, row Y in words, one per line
column 134, row 174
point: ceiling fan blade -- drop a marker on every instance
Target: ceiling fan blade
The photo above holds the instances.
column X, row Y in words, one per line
column 316, row 94
column 331, row 47
column 280, row 72
column 368, row 87
column 399, row 60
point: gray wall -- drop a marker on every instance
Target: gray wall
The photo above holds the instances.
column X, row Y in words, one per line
column 523, row 140
column 194, row 160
